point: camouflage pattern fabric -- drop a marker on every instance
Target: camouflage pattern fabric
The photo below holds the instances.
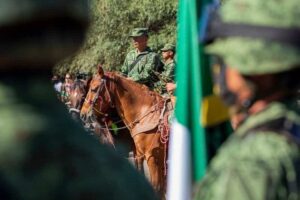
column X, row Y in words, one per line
column 257, row 164
column 246, row 54
column 167, row 76
column 45, row 155
column 137, row 32
column 143, row 71
column 169, row 47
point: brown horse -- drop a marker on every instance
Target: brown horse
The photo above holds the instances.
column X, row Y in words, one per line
column 78, row 91
column 102, row 130
column 143, row 112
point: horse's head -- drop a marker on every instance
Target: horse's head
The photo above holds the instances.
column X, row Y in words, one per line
column 99, row 97
column 96, row 109
column 77, row 96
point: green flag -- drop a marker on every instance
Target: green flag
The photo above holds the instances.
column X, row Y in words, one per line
column 187, row 134
column 192, row 143
column 189, row 90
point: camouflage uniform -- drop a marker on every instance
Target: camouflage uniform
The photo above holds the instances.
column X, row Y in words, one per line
column 169, row 68
column 144, row 70
column 261, row 160
column 168, row 74
column 43, row 153
column 257, row 162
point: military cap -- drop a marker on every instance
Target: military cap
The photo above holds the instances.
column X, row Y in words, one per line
column 137, row 32
column 40, row 47
column 169, row 47
column 257, row 55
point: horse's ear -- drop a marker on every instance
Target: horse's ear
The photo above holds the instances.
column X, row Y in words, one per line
column 100, row 70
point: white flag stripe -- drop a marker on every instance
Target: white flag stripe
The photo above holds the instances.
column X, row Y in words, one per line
column 179, row 167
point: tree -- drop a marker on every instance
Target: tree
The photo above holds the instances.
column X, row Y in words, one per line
column 107, row 39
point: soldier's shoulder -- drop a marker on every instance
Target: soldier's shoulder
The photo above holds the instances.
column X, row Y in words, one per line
column 264, row 153
column 170, row 64
column 267, row 144
column 131, row 53
column 266, row 147
column 153, row 55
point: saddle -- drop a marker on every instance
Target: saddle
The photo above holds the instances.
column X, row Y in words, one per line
column 157, row 115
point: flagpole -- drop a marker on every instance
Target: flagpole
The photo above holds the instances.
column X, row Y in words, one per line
column 187, row 139
column 179, row 173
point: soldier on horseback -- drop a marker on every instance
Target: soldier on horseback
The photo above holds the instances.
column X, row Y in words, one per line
column 141, row 63
column 168, row 54
column 168, row 75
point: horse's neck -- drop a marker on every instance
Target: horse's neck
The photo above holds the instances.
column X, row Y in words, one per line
column 131, row 100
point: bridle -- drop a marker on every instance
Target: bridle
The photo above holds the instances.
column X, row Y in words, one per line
column 82, row 91
column 106, row 101
column 101, row 99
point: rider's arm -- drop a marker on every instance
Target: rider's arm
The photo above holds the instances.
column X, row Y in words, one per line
column 124, row 68
column 130, row 57
column 169, row 72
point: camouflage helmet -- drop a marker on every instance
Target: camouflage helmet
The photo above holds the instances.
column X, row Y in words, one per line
column 36, row 33
column 256, row 55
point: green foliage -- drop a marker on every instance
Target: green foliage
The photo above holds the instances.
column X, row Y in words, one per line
column 107, row 39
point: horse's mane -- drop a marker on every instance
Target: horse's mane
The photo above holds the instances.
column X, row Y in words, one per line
column 137, row 86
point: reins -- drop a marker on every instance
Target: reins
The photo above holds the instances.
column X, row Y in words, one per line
column 134, row 121
column 127, row 125
column 107, row 98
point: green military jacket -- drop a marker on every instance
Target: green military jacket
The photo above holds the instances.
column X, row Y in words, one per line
column 144, row 70
column 45, row 155
column 257, row 163
column 168, row 75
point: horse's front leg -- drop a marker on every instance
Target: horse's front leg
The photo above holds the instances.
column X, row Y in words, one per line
column 139, row 160
column 157, row 167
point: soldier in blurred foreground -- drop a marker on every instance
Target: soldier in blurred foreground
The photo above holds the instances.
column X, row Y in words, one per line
column 259, row 81
column 43, row 153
